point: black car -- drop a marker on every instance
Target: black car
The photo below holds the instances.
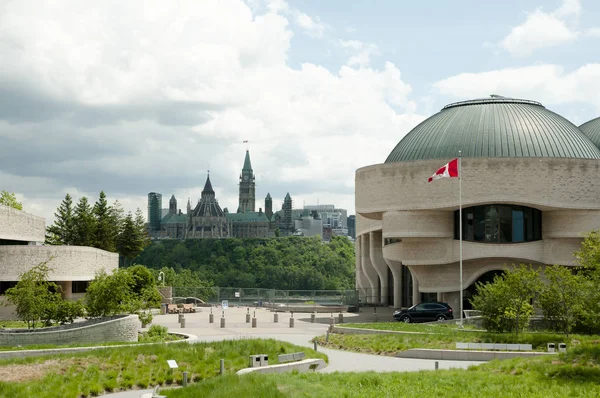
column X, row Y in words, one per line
column 424, row 312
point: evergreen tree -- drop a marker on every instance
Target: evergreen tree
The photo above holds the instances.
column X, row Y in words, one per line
column 85, row 223
column 62, row 232
column 129, row 241
column 140, row 226
column 104, row 233
column 10, row 200
column 117, row 217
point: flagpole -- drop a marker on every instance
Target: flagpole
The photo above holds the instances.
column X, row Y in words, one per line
column 460, row 235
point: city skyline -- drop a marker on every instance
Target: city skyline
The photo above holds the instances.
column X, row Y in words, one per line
column 318, row 89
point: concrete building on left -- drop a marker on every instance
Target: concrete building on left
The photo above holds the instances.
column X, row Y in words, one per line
column 21, row 248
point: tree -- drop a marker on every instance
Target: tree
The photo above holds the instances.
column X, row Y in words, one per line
column 109, row 294
column 563, row 299
column 34, row 296
column 143, row 286
column 140, row 226
column 62, row 232
column 10, row 200
column 588, row 256
column 117, row 217
column 505, row 304
column 129, row 243
column 84, row 223
column 104, row 233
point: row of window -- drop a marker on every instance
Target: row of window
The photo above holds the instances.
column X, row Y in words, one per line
column 76, row 286
column 495, row 223
column 499, row 224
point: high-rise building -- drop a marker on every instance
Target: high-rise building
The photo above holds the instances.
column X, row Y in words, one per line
column 154, row 210
column 352, row 226
column 247, row 187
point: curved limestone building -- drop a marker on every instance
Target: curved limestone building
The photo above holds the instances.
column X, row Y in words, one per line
column 530, row 188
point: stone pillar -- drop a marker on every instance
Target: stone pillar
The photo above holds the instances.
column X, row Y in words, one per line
column 440, row 297
column 368, row 269
column 396, row 268
column 415, row 290
column 361, row 279
column 376, row 256
column 67, row 289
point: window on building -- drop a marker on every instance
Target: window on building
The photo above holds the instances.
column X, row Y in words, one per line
column 4, row 286
column 499, row 224
column 79, row 286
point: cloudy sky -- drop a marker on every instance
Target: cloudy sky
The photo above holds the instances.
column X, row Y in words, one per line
column 131, row 96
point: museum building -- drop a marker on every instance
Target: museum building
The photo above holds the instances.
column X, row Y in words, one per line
column 530, row 189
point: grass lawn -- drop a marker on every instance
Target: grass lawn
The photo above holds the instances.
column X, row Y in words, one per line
column 437, row 336
column 574, row 374
column 97, row 372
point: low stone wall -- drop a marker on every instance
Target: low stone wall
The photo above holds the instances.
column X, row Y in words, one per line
column 120, row 328
column 458, row 355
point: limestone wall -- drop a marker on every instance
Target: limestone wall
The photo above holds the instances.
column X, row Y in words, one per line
column 68, row 263
column 19, row 225
column 121, row 328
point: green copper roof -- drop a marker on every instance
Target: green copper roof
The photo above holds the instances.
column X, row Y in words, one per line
column 247, row 165
column 494, row 127
column 268, row 196
column 174, row 219
column 592, row 130
column 251, row 216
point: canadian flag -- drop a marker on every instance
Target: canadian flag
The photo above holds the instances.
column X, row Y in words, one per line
column 449, row 170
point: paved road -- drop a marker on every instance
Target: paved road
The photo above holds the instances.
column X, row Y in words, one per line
column 339, row 361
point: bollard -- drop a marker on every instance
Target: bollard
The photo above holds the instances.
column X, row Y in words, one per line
column 180, row 317
column 341, row 318
column 211, row 317
column 292, row 320
column 248, row 315
column 275, row 317
column 327, row 337
column 437, row 365
column 182, row 323
column 223, row 320
column 331, row 321
column 312, row 318
column 315, row 345
column 222, row 367
column 254, row 322
column 184, row 381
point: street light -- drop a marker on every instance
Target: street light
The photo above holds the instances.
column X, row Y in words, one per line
column 161, row 277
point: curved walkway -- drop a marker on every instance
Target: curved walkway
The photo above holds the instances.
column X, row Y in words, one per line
column 339, row 361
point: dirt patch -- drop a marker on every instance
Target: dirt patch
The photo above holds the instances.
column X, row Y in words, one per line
column 33, row 371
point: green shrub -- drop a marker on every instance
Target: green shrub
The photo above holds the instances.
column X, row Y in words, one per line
column 158, row 331
column 67, row 311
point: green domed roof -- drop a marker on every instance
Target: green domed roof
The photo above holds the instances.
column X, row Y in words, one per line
column 592, row 130
column 494, row 127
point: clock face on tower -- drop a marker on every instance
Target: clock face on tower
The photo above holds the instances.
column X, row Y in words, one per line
column 245, row 178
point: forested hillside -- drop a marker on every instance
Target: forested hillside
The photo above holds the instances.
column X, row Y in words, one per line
column 278, row 263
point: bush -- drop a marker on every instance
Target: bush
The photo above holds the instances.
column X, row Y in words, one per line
column 158, row 331
column 145, row 318
column 67, row 311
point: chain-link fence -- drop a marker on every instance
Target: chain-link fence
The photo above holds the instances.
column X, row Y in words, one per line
column 273, row 298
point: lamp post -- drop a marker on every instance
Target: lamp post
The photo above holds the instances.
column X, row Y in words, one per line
column 161, row 278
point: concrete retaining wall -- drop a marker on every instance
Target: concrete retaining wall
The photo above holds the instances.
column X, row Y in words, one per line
column 121, row 328
column 456, row 355
column 301, row 366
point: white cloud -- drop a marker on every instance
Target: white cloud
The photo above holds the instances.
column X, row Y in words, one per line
column 361, row 52
column 593, row 32
column 146, row 101
column 313, row 26
column 543, row 29
column 549, row 84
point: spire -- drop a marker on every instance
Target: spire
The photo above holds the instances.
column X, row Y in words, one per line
column 247, row 165
column 208, row 189
column 288, row 197
column 268, row 196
